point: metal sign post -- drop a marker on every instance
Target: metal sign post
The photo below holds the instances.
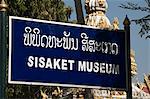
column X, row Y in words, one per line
column 128, row 60
column 3, row 49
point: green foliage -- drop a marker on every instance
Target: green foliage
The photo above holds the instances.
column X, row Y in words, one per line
column 144, row 22
column 40, row 9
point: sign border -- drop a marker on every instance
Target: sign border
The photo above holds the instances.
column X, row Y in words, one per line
column 10, row 81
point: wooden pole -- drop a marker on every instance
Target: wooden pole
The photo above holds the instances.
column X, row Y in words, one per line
column 79, row 11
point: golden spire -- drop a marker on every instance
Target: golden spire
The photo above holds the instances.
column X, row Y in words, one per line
column 3, row 6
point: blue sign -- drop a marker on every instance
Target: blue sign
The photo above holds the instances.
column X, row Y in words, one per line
column 62, row 54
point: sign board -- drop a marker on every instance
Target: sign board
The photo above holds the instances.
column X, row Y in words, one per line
column 61, row 54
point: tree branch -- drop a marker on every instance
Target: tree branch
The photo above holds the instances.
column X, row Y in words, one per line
column 144, row 22
column 133, row 6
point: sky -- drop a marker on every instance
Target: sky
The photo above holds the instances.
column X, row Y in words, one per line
column 141, row 46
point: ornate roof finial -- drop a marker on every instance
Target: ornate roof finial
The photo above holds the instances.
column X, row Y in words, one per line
column 3, row 6
column 126, row 21
column 115, row 24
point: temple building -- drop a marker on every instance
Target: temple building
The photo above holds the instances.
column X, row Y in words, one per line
column 133, row 63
